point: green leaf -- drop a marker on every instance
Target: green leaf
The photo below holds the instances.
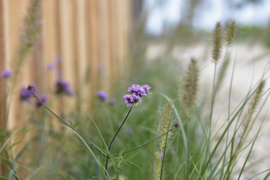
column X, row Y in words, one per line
column 76, row 124
column 11, row 172
column 10, row 139
column 71, row 124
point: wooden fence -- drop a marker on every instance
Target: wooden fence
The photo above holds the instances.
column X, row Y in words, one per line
column 91, row 36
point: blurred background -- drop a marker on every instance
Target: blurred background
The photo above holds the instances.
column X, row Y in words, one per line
column 108, row 45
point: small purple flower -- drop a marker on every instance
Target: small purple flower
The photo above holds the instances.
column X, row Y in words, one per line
column 7, row 73
column 129, row 130
column 50, row 66
column 161, row 154
column 25, row 94
column 146, row 89
column 112, row 101
column 176, row 125
column 137, row 90
column 102, row 95
column 63, row 87
column 58, row 59
column 131, row 99
column 43, row 98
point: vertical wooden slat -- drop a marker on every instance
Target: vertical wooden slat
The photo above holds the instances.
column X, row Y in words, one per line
column 82, row 52
column 2, row 67
column 104, row 62
column 93, row 40
column 68, row 48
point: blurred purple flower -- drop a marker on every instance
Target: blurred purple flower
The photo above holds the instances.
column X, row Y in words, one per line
column 112, row 101
column 50, row 66
column 63, row 87
column 176, row 125
column 7, row 73
column 25, row 94
column 161, row 154
column 137, row 90
column 58, row 59
column 131, row 99
column 129, row 130
column 146, row 89
column 102, row 95
column 43, row 98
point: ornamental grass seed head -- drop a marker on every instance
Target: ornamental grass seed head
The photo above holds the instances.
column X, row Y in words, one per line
column 6, row 73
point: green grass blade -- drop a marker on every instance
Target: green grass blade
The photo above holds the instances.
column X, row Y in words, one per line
column 9, row 139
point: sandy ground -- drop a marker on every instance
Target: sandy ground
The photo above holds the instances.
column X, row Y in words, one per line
column 251, row 62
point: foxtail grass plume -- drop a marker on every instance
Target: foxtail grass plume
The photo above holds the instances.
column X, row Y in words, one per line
column 217, row 42
column 231, row 32
column 190, row 86
column 32, row 27
column 222, row 72
column 248, row 122
column 163, row 127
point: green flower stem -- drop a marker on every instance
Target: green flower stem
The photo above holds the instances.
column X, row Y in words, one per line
column 146, row 143
column 96, row 147
column 110, row 146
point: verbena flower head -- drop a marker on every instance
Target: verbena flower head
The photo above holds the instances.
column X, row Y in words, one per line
column 63, row 87
column 131, row 99
column 137, row 92
column 58, row 59
column 7, row 73
column 146, row 89
column 112, row 101
column 102, row 95
column 43, row 98
column 161, row 154
column 50, row 66
column 25, row 94
column 176, row 125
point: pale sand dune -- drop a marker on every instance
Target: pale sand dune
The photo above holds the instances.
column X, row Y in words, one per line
column 251, row 64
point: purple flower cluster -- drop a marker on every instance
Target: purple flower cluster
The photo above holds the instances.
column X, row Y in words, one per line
column 102, row 95
column 25, row 94
column 137, row 92
column 43, row 98
column 7, row 73
column 50, row 66
column 63, row 87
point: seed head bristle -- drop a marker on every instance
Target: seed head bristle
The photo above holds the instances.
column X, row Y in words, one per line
column 190, row 86
column 164, row 124
column 231, row 32
column 222, row 72
column 29, row 34
column 217, row 40
column 255, row 100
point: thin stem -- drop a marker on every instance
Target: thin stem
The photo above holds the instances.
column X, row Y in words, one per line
column 104, row 154
column 146, row 143
column 110, row 146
